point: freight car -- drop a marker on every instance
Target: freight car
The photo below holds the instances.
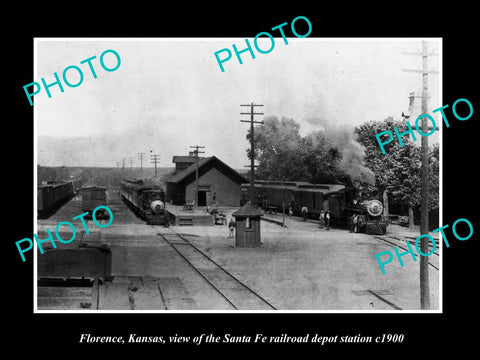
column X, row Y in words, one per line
column 52, row 195
column 146, row 199
column 76, row 184
column 92, row 197
column 342, row 203
column 284, row 195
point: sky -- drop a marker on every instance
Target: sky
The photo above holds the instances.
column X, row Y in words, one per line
column 170, row 94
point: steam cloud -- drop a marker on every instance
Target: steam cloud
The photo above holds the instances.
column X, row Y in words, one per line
column 353, row 153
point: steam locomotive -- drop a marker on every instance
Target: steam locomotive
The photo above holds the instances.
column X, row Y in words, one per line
column 342, row 203
column 359, row 209
column 146, row 199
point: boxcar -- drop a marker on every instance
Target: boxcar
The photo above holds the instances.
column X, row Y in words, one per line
column 92, row 197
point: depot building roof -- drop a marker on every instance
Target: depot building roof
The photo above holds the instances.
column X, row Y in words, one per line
column 211, row 161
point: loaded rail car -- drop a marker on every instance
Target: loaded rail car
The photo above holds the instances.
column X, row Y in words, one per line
column 146, row 199
column 53, row 195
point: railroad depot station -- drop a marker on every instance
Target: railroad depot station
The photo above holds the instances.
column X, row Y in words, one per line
column 217, row 182
column 271, row 261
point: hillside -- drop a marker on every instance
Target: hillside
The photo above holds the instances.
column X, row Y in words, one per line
column 104, row 176
column 101, row 176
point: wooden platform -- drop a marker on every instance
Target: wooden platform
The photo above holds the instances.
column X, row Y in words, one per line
column 194, row 217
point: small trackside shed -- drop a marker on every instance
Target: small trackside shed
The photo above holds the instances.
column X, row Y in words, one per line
column 247, row 220
column 218, row 184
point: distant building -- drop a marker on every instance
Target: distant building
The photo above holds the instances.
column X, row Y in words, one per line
column 414, row 111
column 217, row 182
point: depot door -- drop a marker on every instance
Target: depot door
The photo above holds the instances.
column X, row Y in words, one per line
column 202, row 198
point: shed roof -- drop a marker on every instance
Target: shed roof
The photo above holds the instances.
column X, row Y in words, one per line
column 182, row 175
column 247, row 210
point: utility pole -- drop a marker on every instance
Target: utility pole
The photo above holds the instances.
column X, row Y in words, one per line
column 155, row 159
column 196, row 152
column 283, row 204
column 131, row 163
column 123, row 164
column 140, row 157
column 252, row 147
column 424, row 281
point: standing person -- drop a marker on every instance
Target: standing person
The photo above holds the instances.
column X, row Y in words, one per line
column 355, row 223
column 327, row 219
column 304, row 213
column 231, row 228
column 322, row 219
column 290, row 209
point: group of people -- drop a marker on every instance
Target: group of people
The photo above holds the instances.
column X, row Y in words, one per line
column 324, row 219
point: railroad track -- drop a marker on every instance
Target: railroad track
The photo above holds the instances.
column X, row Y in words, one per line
column 234, row 291
column 405, row 249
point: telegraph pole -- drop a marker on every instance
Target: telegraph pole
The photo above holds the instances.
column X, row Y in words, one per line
column 131, row 163
column 140, row 157
column 196, row 152
column 252, row 147
column 424, row 281
column 155, row 159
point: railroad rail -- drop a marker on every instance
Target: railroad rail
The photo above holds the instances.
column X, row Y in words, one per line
column 404, row 248
column 234, row 291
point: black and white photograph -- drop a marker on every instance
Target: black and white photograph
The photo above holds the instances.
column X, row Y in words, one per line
column 220, row 186
column 164, row 140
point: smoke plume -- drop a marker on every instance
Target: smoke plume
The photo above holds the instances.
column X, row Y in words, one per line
column 353, row 153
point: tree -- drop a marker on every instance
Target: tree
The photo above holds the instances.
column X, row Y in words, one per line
column 283, row 154
column 278, row 150
column 434, row 177
column 398, row 172
column 321, row 159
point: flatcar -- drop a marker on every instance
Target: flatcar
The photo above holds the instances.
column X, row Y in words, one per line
column 146, row 199
column 342, row 202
